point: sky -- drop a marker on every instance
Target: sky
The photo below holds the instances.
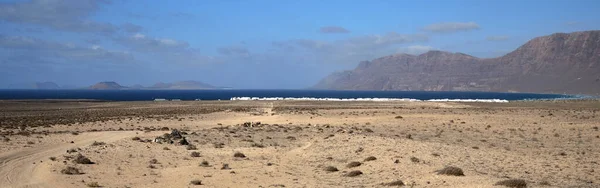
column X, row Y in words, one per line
column 266, row 44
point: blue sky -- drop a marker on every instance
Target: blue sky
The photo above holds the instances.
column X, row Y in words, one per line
column 257, row 44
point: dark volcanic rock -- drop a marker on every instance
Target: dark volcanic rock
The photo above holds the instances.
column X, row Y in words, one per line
column 558, row 63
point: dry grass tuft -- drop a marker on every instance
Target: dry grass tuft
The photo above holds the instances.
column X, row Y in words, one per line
column 517, row 183
column 451, row 171
column 195, row 154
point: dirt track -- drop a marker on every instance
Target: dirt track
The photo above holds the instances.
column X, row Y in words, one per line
column 23, row 168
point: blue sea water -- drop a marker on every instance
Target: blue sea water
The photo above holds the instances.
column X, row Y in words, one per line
column 147, row 95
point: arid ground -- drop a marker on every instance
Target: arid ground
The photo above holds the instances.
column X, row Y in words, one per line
column 299, row 144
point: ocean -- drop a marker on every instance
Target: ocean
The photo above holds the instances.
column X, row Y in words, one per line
column 148, row 95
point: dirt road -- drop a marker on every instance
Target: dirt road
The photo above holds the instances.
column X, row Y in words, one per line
column 25, row 168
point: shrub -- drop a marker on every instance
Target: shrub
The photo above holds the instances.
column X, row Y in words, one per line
column 153, row 161
column 191, row 147
column 353, row 164
column 331, row 169
column 394, row 183
column 52, row 158
column 70, row 171
column 415, row 160
column 239, row 155
column 195, row 154
column 371, row 158
column 517, row 183
column 80, row 159
column 225, row 167
column 135, row 138
column 93, row 184
column 451, row 171
column 354, row 173
column 204, row 164
column 98, row 143
column 196, row 182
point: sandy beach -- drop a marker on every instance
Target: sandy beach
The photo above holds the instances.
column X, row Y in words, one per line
column 49, row 143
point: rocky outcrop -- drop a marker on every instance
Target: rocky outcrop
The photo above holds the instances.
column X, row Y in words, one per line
column 558, row 63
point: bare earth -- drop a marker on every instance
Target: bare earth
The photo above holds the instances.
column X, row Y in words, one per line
column 545, row 144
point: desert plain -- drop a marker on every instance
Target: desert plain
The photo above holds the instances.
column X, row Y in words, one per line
column 49, row 143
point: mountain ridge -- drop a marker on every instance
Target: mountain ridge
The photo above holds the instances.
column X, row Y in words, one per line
column 557, row 63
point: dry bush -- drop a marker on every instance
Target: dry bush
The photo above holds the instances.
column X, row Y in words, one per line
column 136, row 138
column 331, row 169
column 195, row 154
column 239, row 155
column 415, row 160
column 451, row 171
column 225, row 166
column 394, row 183
column 368, row 130
column 71, row 171
column 52, row 158
column 371, row 158
column 196, row 182
column 98, row 143
column 257, row 145
column 93, row 184
column 166, row 148
column 204, row 164
column 218, row 145
column 353, row 164
column 153, row 161
column 80, row 159
column 353, row 173
column 191, row 147
column 517, row 183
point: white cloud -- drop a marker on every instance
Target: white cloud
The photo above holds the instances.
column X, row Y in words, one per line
column 416, row 49
column 39, row 48
column 333, row 30
column 450, row 27
column 497, row 38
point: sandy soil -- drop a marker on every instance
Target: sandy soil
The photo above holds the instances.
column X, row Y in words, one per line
column 299, row 144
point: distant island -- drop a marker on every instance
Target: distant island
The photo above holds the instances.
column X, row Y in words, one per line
column 181, row 85
column 112, row 85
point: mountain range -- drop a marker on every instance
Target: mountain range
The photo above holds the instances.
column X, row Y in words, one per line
column 558, row 63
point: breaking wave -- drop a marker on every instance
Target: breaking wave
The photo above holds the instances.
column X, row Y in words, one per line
column 360, row 99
